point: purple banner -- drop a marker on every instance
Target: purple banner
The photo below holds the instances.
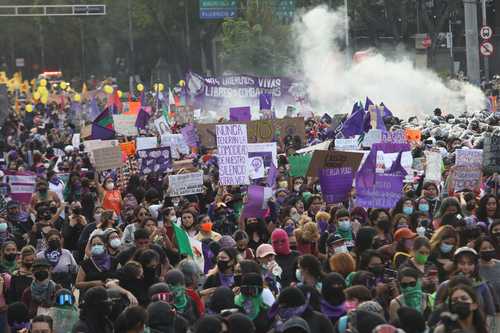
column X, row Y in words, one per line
column 385, row 193
column 22, row 185
column 336, row 183
column 265, row 101
column 157, row 160
column 240, row 114
column 256, row 204
column 215, row 93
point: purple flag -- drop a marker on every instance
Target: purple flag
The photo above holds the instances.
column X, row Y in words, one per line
column 387, row 112
column 368, row 103
column 354, row 124
column 271, row 175
column 142, row 119
column 336, row 183
column 240, row 114
column 397, row 168
column 103, row 133
column 265, row 101
column 94, row 110
column 380, row 120
column 189, row 134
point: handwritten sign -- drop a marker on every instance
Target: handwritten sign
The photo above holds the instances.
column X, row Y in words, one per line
column 185, row 183
column 336, row 184
column 232, row 154
column 397, row 136
column 385, row 193
column 326, row 159
column 466, row 178
column 108, row 158
column 256, row 167
column 469, row 157
column 268, row 152
column 176, row 143
column 157, row 160
column 491, row 154
column 259, row 130
column 433, row 166
column 125, row 124
column 347, row 144
column 146, row 142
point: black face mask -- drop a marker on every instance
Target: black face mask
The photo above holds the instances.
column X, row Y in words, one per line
column 77, row 211
column 333, row 295
column 149, row 272
column 237, row 280
column 222, row 265
column 488, row 255
column 461, row 309
column 384, row 225
column 41, row 275
column 10, row 256
column 54, row 244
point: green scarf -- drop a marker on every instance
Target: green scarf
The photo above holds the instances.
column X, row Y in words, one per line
column 180, row 301
column 345, row 234
column 10, row 266
column 250, row 305
column 412, row 296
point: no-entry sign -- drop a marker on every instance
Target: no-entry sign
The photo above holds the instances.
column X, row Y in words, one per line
column 486, row 49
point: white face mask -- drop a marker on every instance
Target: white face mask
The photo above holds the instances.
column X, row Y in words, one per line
column 296, row 188
column 115, row 243
column 110, row 186
column 341, row 249
column 421, row 231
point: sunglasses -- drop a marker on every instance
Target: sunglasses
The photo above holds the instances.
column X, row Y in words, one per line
column 408, row 284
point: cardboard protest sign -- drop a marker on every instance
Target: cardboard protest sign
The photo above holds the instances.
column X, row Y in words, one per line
column 162, row 126
column 107, row 158
column 268, row 152
column 433, row 166
column 336, row 183
column 491, row 154
column 185, row 183
column 466, row 178
column 259, row 130
column 299, row 164
column 232, row 154
column 176, row 143
column 256, row 167
column 128, row 148
column 385, row 193
column 22, row 185
column 124, row 124
column 240, row 114
column 347, row 144
column 146, row 142
column 257, row 197
column 413, row 135
column 469, row 157
column 325, row 159
column 157, row 160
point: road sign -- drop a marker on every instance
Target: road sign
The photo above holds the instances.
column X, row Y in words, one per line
column 427, row 42
column 486, row 49
column 486, row 32
column 19, row 62
column 218, row 9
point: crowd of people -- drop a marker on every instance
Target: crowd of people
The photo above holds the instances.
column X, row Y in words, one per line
column 92, row 252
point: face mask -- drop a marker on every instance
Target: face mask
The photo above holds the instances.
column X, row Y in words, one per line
column 412, row 290
column 407, row 210
column 54, row 244
column 350, row 305
column 175, row 202
column 341, row 249
column 470, row 205
column 283, row 184
column 421, row 259
column 333, row 295
column 322, row 226
column 445, row 248
column 97, row 250
column 295, row 217
column 280, row 200
column 289, row 229
column 41, row 275
column 377, row 270
column 488, row 255
column 115, row 243
column 345, row 225
column 461, row 309
column 10, row 256
column 298, row 275
column 110, row 186
column 421, row 231
column 423, row 208
column 3, row 227
column 384, row 225
column 97, row 218
column 296, row 188
column 222, row 265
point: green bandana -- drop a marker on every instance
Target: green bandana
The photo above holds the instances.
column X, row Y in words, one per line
column 345, row 234
column 412, row 296
column 251, row 305
column 180, row 298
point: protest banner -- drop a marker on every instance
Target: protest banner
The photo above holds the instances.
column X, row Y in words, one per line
column 256, row 167
column 385, row 192
column 107, row 158
column 259, row 131
column 162, row 126
column 336, row 183
column 240, row 114
column 176, row 143
column 466, row 178
column 491, row 154
column 124, row 124
column 185, row 184
column 128, row 148
column 347, row 144
column 183, row 115
column 371, row 137
column 232, row 154
column 469, row 157
column 397, row 136
column 433, row 161
column 327, row 159
column 267, row 150
column 299, row 164
column 256, row 203
column 90, row 145
column 146, row 142
column 157, row 160
column 75, row 140
column 22, row 185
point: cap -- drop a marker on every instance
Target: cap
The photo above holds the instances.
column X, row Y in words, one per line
column 334, row 238
column 40, row 263
column 464, row 250
column 404, row 233
column 296, row 322
column 265, row 250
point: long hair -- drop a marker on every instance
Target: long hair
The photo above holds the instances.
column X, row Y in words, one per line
column 481, row 209
column 446, row 231
column 478, row 319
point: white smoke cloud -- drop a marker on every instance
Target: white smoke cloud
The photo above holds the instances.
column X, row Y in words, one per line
column 334, row 84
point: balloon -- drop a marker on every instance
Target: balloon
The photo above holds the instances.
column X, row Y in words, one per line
column 63, row 85
column 37, row 95
column 119, row 93
column 44, row 100
column 182, row 83
column 43, row 83
column 108, row 89
column 77, row 98
column 29, row 108
column 161, row 87
column 140, row 87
